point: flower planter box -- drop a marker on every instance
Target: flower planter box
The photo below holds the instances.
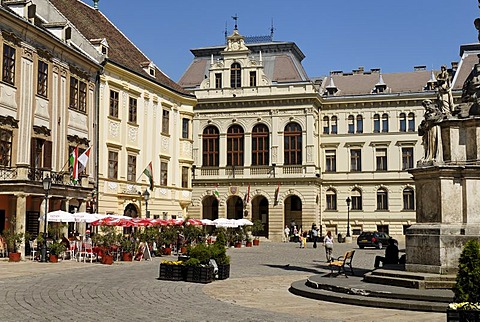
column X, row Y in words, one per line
column 53, row 258
column 238, row 245
column 248, row 244
column 256, row 242
column 199, row 274
column 171, row 272
column 223, row 271
column 463, row 315
column 107, row 259
column 127, row 256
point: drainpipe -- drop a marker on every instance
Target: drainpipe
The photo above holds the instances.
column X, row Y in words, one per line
column 97, row 134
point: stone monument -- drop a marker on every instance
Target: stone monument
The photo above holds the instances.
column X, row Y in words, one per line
column 447, row 179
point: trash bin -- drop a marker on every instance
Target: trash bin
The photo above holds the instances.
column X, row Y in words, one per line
column 341, row 239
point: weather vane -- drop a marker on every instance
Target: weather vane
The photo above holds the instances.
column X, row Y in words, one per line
column 236, row 19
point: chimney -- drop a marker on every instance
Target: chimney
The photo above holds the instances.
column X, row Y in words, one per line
column 419, row 68
column 95, row 4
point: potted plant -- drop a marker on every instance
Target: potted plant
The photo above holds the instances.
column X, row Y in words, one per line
column 239, row 235
column 55, row 249
column 197, row 267
column 466, row 306
column 127, row 249
column 219, row 254
column 257, row 228
column 169, row 236
column 105, row 240
column 13, row 240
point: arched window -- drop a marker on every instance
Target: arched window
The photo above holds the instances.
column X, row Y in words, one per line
column 359, row 124
column 331, row 199
column 403, row 122
column 326, row 125
column 411, row 122
column 382, row 199
column 351, row 124
column 235, row 76
column 356, row 199
column 376, row 123
column 210, row 147
column 292, row 144
column 334, row 125
column 260, row 145
column 235, row 145
column 408, row 199
column 385, row 122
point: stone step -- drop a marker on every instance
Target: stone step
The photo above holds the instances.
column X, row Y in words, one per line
column 406, row 281
column 299, row 288
column 413, row 275
column 382, row 293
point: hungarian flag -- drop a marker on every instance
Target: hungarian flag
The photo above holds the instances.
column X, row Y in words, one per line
column 215, row 192
column 149, row 173
column 277, row 192
column 74, row 164
column 246, row 199
column 83, row 159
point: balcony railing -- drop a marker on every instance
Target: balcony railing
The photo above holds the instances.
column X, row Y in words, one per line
column 253, row 171
column 35, row 175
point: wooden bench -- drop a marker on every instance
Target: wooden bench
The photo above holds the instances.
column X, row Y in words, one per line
column 341, row 261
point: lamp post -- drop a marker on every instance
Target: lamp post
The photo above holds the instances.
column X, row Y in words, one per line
column 146, row 196
column 47, row 184
column 348, row 200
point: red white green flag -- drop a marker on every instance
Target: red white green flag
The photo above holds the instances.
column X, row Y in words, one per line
column 277, row 192
column 215, row 192
column 149, row 173
column 74, row 164
column 83, row 159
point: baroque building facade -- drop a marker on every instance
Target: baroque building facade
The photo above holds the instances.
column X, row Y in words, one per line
column 270, row 143
column 144, row 117
column 47, row 107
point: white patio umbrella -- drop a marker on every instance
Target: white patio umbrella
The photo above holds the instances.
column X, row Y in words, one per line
column 58, row 216
column 226, row 223
column 207, row 222
column 87, row 217
column 243, row 222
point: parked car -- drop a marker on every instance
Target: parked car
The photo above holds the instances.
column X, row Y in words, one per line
column 373, row 239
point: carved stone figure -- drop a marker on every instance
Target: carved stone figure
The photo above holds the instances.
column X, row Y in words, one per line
column 471, row 92
column 430, row 132
column 445, row 97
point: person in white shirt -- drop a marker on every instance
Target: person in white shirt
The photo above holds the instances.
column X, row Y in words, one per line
column 286, row 234
column 328, row 243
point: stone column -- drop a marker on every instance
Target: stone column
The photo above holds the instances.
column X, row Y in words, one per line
column 20, row 219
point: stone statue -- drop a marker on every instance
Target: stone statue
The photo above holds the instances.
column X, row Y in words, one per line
column 430, row 132
column 445, row 97
column 471, row 93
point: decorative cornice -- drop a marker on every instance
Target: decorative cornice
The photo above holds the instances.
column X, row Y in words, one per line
column 41, row 130
column 78, row 140
column 9, row 121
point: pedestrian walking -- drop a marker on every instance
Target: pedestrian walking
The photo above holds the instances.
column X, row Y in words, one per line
column 286, row 234
column 314, row 235
column 328, row 243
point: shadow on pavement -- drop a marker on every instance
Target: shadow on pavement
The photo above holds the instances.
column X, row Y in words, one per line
column 289, row 267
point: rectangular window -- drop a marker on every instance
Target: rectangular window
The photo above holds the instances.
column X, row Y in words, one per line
column 381, row 156
column 382, row 229
column 163, row 173
column 253, row 79
column 132, row 110
column 165, row 122
column 78, row 94
column 218, row 80
column 113, row 111
column 132, row 168
column 41, row 154
column 112, row 165
column 330, row 161
column 185, row 128
column 331, row 201
column 382, row 200
column 407, row 158
column 8, row 72
column 357, row 202
column 42, row 81
column 185, row 177
column 74, row 93
column 355, row 160
column 5, row 148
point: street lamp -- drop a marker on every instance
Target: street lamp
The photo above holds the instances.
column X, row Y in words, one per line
column 47, row 184
column 348, row 200
column 146, row 196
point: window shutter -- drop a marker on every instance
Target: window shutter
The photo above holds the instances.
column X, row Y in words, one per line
column 47, row 154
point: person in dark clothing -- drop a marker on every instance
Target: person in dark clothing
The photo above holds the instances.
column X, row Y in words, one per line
column 391, row 254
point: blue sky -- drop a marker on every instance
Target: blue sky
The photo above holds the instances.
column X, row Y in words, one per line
column 333, row 35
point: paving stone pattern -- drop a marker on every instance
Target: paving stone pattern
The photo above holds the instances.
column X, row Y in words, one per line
column 256, row 291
